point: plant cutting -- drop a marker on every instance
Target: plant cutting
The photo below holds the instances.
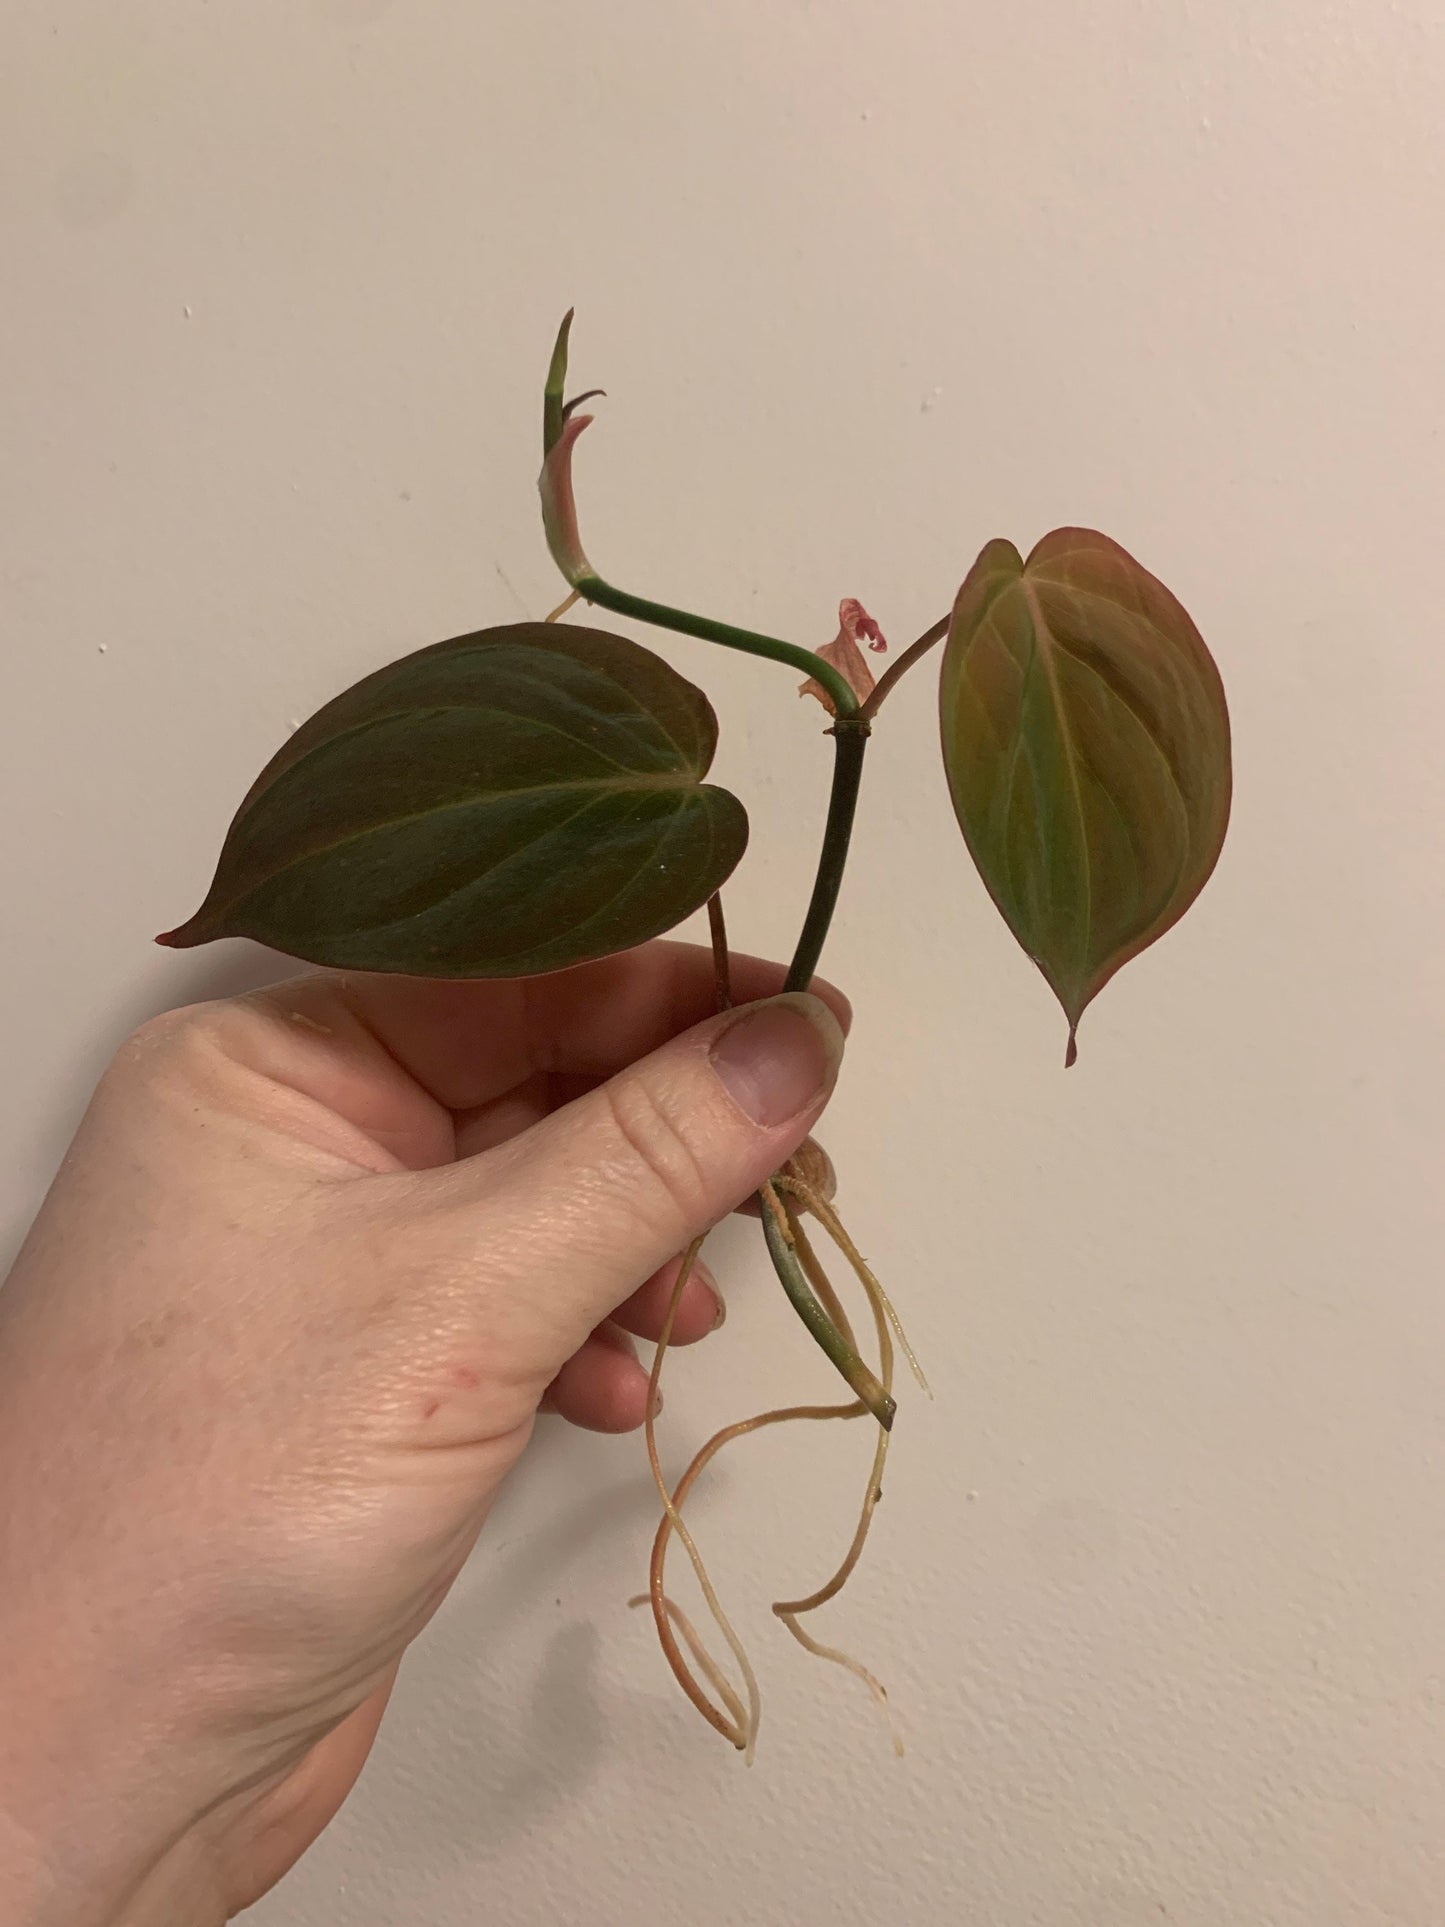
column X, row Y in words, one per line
column 534, row 796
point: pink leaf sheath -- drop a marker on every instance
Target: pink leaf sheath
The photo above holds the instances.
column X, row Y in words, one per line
column 559, row 507
column 854, row 625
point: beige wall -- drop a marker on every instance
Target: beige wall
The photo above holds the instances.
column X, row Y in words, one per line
column 1159, row 1584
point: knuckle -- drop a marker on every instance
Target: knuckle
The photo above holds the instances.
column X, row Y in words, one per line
column 163, row 1041
column 178, row 1046
column 158, row 1033
column 677, row 1192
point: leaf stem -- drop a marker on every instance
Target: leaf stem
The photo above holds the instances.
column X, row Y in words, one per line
column 721, row 962
column 914, row 653
column 850, row 740
column 593, row 589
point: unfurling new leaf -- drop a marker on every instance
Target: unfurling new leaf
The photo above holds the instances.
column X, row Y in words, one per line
column 499, row 805
column 1086, row 743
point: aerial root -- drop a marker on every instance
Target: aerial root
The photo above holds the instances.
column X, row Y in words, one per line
column 735, row 1715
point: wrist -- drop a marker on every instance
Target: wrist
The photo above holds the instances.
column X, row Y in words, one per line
column 71, row 1884
column 99, row 1790
column 88, row 1837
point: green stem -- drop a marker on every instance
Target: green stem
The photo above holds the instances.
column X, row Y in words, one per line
column 593, row 589
column 850, row 740
column 914, row 653
column 856, row 1375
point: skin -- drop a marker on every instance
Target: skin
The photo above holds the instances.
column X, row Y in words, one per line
column 314, row 1262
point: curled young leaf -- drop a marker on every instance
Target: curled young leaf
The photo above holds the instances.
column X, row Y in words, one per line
column 1086, row 743
column 506, row 803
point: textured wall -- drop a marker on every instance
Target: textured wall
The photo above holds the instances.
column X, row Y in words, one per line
column 1159, row 1584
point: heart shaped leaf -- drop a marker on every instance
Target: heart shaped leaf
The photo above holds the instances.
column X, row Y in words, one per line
column 1086, row 742
column 502, row 804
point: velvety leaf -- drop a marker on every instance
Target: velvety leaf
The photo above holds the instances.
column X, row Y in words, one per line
column 1086, row 742
column 502, row 804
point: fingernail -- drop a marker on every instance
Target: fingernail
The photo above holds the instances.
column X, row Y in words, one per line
column 778, row 1058
column 722, row 1310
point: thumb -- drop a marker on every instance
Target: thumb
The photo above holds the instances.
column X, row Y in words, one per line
column 585, row 1205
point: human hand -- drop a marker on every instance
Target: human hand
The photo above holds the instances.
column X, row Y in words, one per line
column 312, row 1263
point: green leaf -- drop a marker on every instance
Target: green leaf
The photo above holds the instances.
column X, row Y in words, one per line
column 1086, row 743
column 502, row 804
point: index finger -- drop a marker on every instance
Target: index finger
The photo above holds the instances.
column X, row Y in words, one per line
column 468, row 1043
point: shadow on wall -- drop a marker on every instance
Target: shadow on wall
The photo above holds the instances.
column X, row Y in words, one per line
column 500, row 1753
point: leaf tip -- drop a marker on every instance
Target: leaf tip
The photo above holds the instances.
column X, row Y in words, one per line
column 568, row 408
column 183, row 937
column 1071, row 1049
column 552, row 391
